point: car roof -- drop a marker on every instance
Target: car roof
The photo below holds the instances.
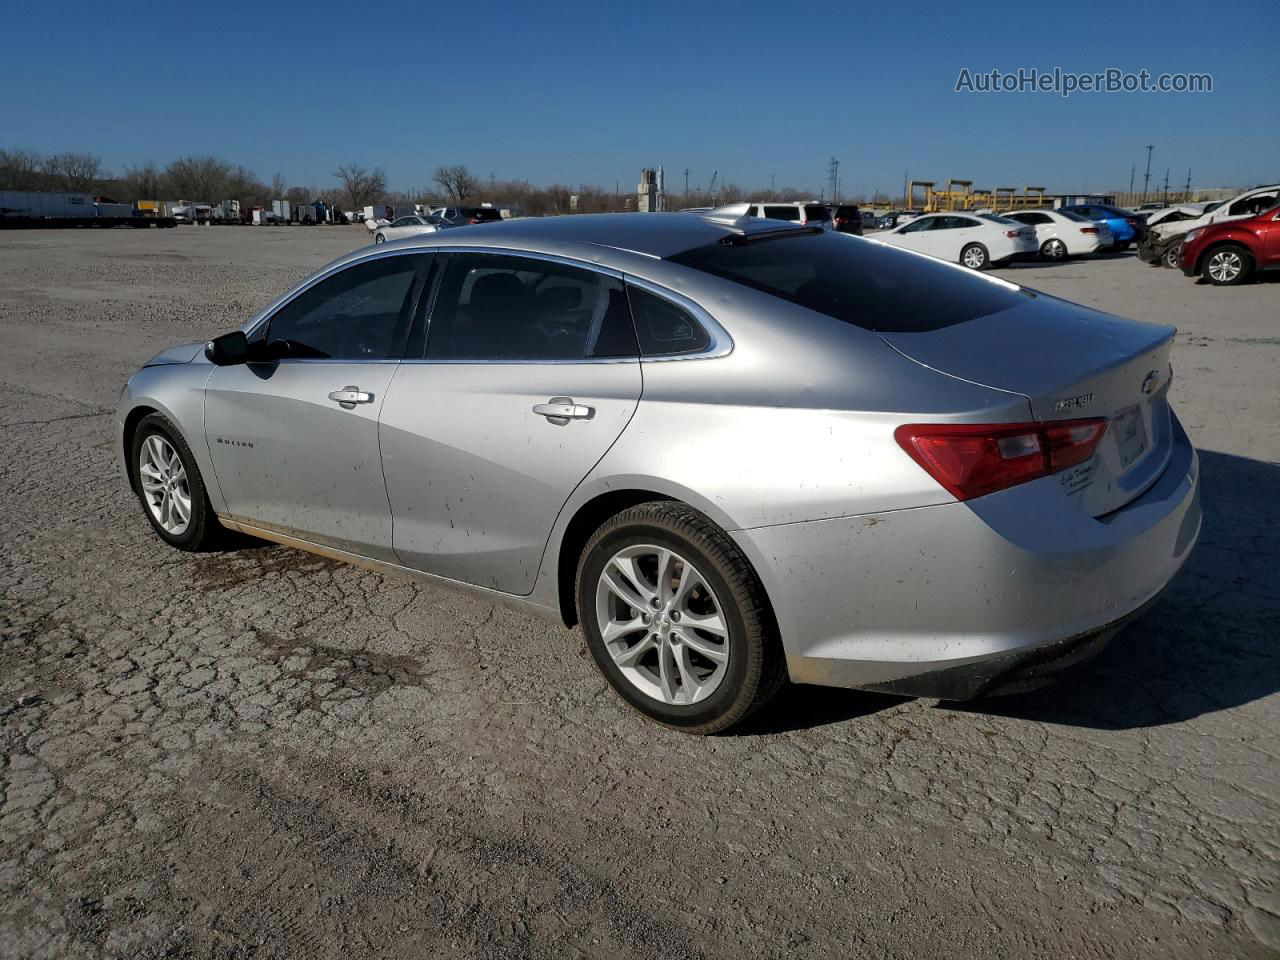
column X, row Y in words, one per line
column 658, row 235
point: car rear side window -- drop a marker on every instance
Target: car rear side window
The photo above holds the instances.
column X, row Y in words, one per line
column 781, row 212
column 664, row 329
column 815, row 211
column 867, row 285
column 499, row 308
column 360, row 313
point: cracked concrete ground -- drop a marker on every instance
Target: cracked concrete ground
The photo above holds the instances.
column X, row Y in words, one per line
column 258, row 753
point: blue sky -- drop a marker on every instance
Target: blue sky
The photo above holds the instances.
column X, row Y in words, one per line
column 577, row 92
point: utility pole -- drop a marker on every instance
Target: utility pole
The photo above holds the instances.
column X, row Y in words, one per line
column 1133, row 168
column 833, row 174
column 905, row 174
column 686, row 186
column 1146, row 177
column 1166, row 186
column 773, row 193
column 1187, row 197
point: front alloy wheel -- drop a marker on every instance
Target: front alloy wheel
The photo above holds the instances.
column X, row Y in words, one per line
column 168, row 483
column 164, row 486
column 1226, row 267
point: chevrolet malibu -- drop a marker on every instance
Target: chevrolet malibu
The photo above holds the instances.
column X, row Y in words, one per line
column 975, row 240
column 733, row 450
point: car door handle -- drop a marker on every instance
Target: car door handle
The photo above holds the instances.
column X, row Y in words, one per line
column 349, row 396
column 560, row 410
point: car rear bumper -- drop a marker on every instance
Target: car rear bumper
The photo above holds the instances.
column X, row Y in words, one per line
column 954, row 600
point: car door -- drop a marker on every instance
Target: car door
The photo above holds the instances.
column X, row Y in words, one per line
column 1043, row 227
column 949, row 234
column 530, row 373
column 1269, row 234
column 914, row 235
column 294, row 440
column 397, row 229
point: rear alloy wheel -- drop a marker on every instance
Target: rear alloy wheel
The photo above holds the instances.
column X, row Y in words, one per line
column 676, row 619
column 1227, row 266
column 169, row 485
column 379, row 238
column 975, row 256
column 1173, row 256
column 1053, row 250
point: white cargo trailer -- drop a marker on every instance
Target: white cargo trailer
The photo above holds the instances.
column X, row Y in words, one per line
column 36, row 208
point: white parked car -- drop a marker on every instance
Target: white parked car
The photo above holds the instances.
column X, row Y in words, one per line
column 810, row 212
column 975, row 240
column 1061, row 233
column 408, row 227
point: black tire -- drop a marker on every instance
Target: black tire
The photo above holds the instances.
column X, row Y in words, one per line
column 379, row 238
column 203, row 532
column 1053, row 249
column 1210, row 263
column 975, row 256
column 756, row 666
column 1172, row 257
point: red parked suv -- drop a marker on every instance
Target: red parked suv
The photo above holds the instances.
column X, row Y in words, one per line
column 1228, row 253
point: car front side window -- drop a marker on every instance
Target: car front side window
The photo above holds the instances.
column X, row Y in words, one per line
column 358, row 313
column 505, row 308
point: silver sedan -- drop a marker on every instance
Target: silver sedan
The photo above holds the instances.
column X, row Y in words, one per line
column 734, row 451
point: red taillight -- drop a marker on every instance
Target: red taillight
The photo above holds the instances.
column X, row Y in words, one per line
column 973, row 459
column 1088, row 229
column 1013, row 233
column 474, row 220
column 1132, row 221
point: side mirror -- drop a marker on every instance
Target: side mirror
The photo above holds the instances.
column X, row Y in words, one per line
column 228, row 349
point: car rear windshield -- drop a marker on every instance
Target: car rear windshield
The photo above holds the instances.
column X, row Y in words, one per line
column 865, row 284
column 815, row 212
column 483, row 214
column 1072, row 215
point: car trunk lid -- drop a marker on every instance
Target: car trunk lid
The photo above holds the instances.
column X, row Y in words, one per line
column 1070, row 363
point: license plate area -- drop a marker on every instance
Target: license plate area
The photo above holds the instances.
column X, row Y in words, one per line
column 1130, row 431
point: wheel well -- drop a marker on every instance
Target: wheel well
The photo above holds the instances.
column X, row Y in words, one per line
column 584, row 523
column 1218, row 245
column 130, row 426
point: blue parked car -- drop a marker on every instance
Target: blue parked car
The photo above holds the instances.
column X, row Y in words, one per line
column 1126, row 227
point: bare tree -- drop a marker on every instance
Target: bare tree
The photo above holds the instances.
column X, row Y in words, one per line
column 277, row 187
column 21, row 170
column 362, row 187
column 141, row 183
column 457, row 182
column 74, row 171
column 197, row 178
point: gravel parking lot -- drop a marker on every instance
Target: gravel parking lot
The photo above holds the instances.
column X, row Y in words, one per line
column 261, row 753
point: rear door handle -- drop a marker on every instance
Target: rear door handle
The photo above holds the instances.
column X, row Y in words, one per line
column 349, row 396
column 560, row 410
